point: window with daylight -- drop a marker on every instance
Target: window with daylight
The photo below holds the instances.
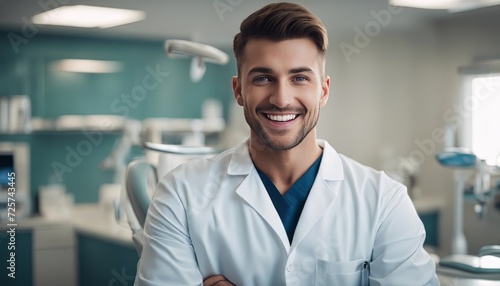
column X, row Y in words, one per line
column 482, row 121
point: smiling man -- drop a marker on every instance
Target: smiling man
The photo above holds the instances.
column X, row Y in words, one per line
column 283, row 208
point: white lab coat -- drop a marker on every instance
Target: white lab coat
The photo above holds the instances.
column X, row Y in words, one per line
column 215, row 216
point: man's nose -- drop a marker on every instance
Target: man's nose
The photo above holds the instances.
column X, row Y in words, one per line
column 281, row 94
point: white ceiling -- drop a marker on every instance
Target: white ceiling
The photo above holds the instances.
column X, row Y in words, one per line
column 199, row 20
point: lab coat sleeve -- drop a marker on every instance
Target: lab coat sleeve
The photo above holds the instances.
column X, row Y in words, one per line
column 168, row 256
column 398, row 256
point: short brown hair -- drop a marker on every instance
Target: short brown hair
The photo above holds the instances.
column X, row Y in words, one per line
column 279, row 22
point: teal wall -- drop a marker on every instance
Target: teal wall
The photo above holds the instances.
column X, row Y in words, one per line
column 54, row 94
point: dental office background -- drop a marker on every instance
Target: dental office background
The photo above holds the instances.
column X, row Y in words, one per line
column 400, row 78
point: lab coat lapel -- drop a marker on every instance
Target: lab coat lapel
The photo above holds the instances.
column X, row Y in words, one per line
column 323, row 192
column 253, row 191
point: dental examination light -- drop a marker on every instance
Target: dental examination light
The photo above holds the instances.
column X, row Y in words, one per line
column 200, row 53
column 459, row 159
column 463, row 161
column 486, row 265
column 456, row 158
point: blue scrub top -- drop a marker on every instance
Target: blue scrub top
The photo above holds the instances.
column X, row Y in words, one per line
column 290, row 205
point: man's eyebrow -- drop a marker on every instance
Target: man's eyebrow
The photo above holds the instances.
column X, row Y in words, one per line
column 260, row 70
column 268, row 70
column 300, row 70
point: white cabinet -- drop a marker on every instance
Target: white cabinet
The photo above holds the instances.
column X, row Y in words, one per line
column 54, row 255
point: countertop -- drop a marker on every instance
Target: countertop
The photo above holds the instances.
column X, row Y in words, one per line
column 91, row 219
column 459, row 281
column 85, row 218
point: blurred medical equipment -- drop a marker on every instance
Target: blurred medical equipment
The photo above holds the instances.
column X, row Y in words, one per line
column 14, row 179
column 142, row 175
column 142, row 178
column 111, row 200
column 54, row 202
column 15, row 114
column 199, row 52
column 117, row 159
column 459, row 264
column 178, row 131
column 127, row 199
column 458, row 158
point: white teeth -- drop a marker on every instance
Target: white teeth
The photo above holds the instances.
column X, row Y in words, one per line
column 287, row 117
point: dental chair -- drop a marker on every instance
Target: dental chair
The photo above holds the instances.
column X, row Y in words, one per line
column 140, row 182
column 485, row 265
column 142, row 177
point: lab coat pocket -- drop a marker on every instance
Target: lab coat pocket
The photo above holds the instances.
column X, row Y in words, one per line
column 344, row 273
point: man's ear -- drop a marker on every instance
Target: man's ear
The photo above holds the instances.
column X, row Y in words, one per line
column 325, row 92
column 237, row 91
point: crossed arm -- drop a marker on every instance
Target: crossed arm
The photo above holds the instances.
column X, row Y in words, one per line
column 177, row 264
column 217, row 280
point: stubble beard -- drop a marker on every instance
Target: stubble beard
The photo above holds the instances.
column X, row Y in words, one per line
column 282, row 143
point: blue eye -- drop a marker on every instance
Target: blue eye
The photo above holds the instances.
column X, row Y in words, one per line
column 300, row 78
column 261, row 79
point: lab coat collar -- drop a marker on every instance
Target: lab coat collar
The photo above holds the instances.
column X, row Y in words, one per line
column 322, row 194
column 330, row 168
column 331, row 165
column 241, row 162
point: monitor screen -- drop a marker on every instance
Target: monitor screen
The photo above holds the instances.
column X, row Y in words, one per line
column 6, row 166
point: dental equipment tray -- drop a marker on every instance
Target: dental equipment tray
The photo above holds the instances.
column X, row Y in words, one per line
column 487, row 264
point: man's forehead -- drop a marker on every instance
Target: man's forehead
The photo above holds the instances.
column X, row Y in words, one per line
column 287, row 54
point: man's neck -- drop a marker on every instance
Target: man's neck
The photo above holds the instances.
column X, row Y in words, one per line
column 284, row 168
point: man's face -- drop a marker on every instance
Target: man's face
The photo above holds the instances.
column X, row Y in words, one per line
column 281, row 89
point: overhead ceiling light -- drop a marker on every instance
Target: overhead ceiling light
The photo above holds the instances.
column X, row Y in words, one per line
column 88, row 16
column 472, row 4
column 450, row 5
column 86, row 66
column 425, row 4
